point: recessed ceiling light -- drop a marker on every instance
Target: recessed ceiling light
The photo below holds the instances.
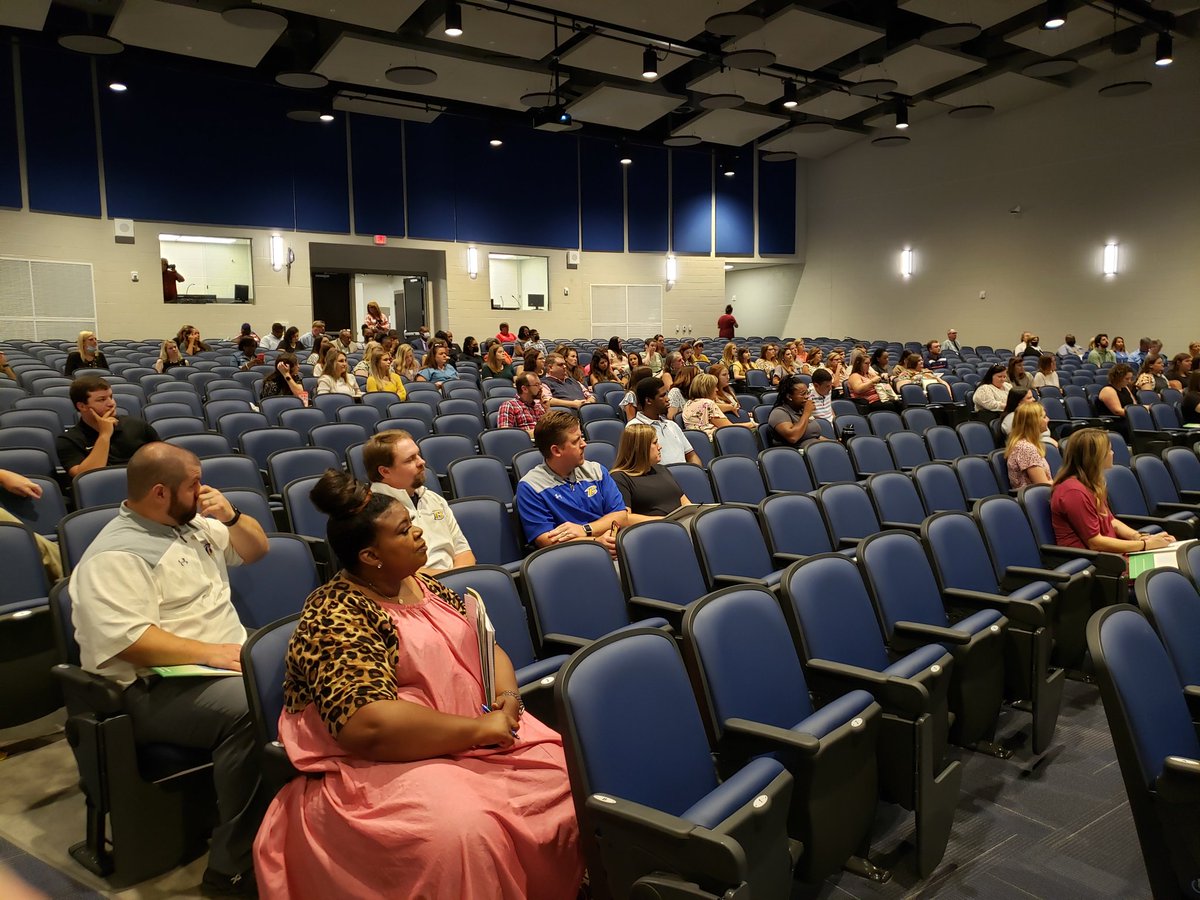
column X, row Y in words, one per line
column 326, row 117
column 118, row 86
column 496, row 142
column 1056, row 14
column 626, row 161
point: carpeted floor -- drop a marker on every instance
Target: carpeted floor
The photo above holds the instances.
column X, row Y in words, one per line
column 1057, row 827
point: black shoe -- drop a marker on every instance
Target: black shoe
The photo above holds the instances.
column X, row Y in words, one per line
column 218, row 884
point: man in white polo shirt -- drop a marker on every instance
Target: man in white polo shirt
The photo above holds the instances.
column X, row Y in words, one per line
column 395, row 467
column 153, row 590
column 652, row 403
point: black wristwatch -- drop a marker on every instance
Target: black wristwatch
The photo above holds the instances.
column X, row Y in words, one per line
column 237, row 514
column 587, row 529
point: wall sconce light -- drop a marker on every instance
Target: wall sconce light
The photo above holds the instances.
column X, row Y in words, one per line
column 1111, row 259
column 277, row 259
column 907, row 261
column 672, row 269
column 473, row 262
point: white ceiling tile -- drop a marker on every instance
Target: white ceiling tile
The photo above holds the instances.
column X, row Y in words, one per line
column 1006, row 91
column 984, row 13
column 808, row 40
column 836, row 105
column 918, row 68
column 622, row 107
column 597, row 53
column 811, row 146
column 1084, row 25
column 375, row 14
column 761, row 89
column 733, row 127
column 486, row 29
column 29, row 14
column 678, row 18
column 360, row 60
column 190, row 31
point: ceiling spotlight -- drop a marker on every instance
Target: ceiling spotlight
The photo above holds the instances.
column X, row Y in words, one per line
column 1163, row 50
column 117, row 85
column 729, row 173
column 626, row 159
column 649, row 64
column 453, row 19
column 901, row 115
column 564, row 117
column 496, row 142
column 789, row 95
column 326, row 117
column 1056, row 14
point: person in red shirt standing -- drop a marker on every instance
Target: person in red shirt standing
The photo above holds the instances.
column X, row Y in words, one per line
column 170, row 279
column 726, row 324
column 505, row 336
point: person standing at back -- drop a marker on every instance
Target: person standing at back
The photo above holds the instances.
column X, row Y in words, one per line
column 726, row 324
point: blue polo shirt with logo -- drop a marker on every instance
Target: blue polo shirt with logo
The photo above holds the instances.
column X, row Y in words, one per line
column 545, row 500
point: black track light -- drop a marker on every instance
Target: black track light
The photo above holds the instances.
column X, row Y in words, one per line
column 901, row 115
column 1164, row 49
column 453, row 19
column 790, row 101
column 1056, row 14
column 649, row 64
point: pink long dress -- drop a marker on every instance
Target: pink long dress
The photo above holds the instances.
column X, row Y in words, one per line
column 478, row 824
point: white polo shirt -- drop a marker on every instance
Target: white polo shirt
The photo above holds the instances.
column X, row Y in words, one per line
column 139, row 573
column 671, row 440
column 443, row 538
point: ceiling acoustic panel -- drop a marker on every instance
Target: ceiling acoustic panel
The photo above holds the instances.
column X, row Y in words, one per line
column 375, row 14
column 1084, row 25
column 622, row 107
column 810, row 145
column 807, row 40
column 607, row 56
column 678, row 18
column 363, row 61
column 760, row 89
column 984, row 13
column 917, row 68
column 29, row 14
column 732, row 127
column 1006, row 91
column 835, row 105
column 190, row 31
column 495, row 32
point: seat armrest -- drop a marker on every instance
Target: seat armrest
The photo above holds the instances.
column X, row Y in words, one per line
column 1110, row 564
column 788, row 557
column 846, row 543
column 738, row 579
column 96, row 693
column 1170, row 507
column 659, row 607
column 893, row 694
column 700, row 852
column 1018, row 576
column 1179, row 781
column 1022, row 612
column 567, row 640
column 932, row 634
column 1190, row 496
column 755, row 738
column 902, row 526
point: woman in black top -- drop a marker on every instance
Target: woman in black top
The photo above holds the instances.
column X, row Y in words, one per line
column 470, row 349
column 87, row 356
column 285, row 381
column 649, row 489
column 168, row 357
column 1191, row 400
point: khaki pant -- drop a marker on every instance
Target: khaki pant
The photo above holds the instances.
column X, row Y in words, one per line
column 51, row 558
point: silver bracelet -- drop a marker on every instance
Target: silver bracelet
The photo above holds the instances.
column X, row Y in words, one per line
column 516, row 695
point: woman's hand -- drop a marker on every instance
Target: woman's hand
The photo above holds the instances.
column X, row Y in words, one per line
column 1157, row 541
column 496, row 730
column 511, row 706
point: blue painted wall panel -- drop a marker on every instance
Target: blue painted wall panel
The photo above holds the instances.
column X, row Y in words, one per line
column 647, row 182
column 60, row 133
column 777, row 208
column 376, row 145
column 525, row 192
column 10, row 169
column 691, row 202
column 601, row 186
column 319, row 174
column 431, row 183
column 735, row 208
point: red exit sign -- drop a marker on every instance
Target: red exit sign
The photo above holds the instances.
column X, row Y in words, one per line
column 380, row 239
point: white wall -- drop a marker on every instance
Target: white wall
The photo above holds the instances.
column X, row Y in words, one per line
column 209, row 268
column 1083, row 169
column 762, row 298
column 380, row 288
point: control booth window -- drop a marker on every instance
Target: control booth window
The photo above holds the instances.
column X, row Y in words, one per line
column 519, row 282
column 201, row 269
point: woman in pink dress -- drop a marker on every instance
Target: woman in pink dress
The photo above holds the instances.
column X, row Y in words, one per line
column 412, row 791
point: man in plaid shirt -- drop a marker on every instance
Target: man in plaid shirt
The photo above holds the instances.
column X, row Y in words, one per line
column 524, row 410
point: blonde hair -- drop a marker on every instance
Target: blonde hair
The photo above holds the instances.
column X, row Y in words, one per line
column 1084, row 458
column 633, row 455
column 1026, row 426
column 330, row 360
column 405, row 362
column 702, row 386
column 728, row 355
column 162, row 351
column 83, row 339
column 493, row 358
column 379, row 372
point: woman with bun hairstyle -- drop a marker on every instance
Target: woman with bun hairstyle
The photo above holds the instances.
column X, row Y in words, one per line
column 413, row 791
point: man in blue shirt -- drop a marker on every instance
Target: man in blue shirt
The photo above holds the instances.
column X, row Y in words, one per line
column 568, row 498
column 933, row 356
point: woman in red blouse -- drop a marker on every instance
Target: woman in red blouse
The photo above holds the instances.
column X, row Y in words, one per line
column 1079, row 503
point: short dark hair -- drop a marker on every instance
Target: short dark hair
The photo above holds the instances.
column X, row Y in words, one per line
column 522, row 378
column 247, row 341
column 353, row 509
column 820, row 376
column 728, row 308
column 552, row 429
column 82, row 388
column 646, row 389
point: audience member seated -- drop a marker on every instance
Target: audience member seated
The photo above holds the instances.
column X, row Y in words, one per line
column 20, row 486
column 345, row 341
column 565, row 390
column 5, row 368
column 787, row 366
column 380, row 376
column 933, row 358
column 821, row 394
column 1032, row 348
column 153, row 590
column 436, row 366
column 679, row 389
column 168, row 357
column 188, row 341
column 629, row 401
column 914, row 372
column 535, row 342
column 504, row 335
column 525, row 409
column 566, row 497
column 601, row 372
column 1079, row 504
column 991, row 394
column 291, row 341
column 395, row 468
column 1017, row 377
column 1047, row 374
column 498, row 363
column 814, row 361
column 85, row 356
column 768, row 362
column 1024, row 452
column 1178, row 371
column 310, row 339
column 99, row 438
column 792, row 419
column 864, row 385
column 1151, row 375
column 1016, row 397
column 701, row 411
column 470, row 350
column 1117, row 394
column 1019, row 350
column 247, row 330
column 647, row 486
column 618, row 361
column 285, row 381
column 652, row 411
column 336, row 378
column 741, row 366
column 247, row 356
column 1100, row 354
column 1190, row 406
column 404, row 362
column 1070, row 348
column 951, row 344
column 727, row 400
column 271, row 341
column 415, row 792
